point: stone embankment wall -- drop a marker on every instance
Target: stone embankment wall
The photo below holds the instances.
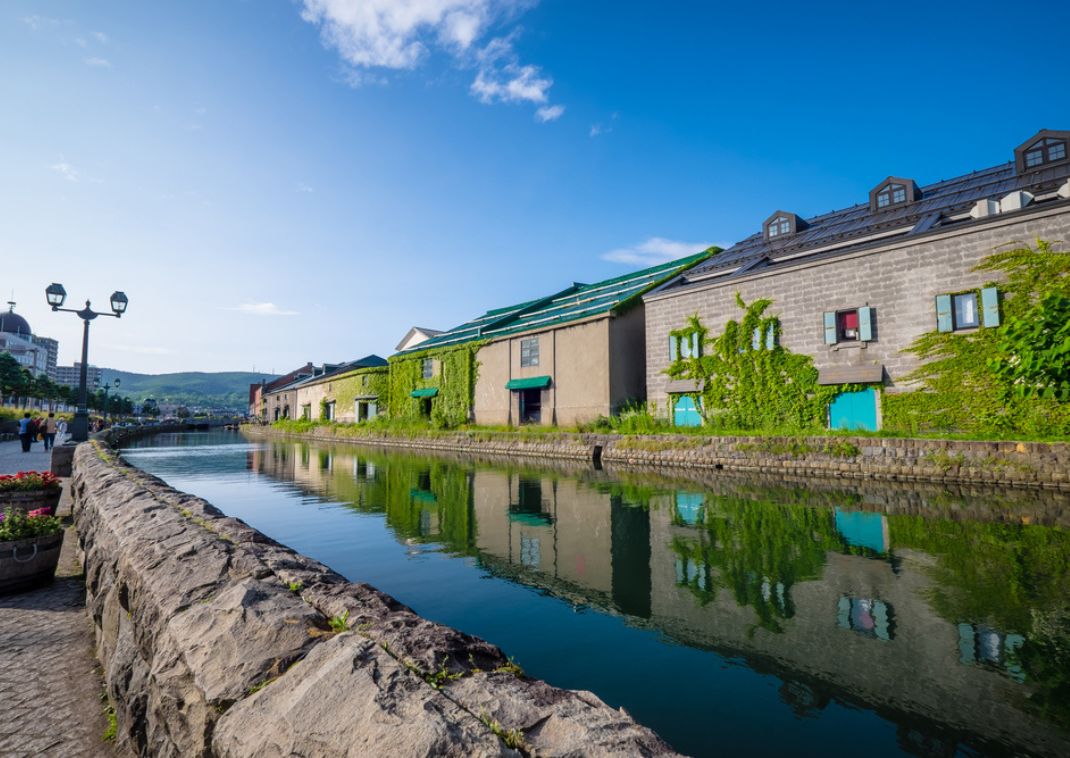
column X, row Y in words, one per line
column 1018, row 464
column 217, row 641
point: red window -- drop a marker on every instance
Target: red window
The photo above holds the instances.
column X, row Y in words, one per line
column 847, row 325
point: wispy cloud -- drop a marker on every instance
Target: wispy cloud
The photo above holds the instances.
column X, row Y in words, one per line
column 66, row 170
column 597, row 130
column 41, row 22
column 654, row 250
column 549, row 113
column 373, row 35
column 263, row 309
column 101, row 37
column 98, row 62
column 302, row 187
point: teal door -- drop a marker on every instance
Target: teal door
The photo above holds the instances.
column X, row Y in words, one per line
column 685, row 412
column 854, row 410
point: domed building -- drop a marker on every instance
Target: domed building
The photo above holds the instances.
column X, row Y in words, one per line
column 38, row 354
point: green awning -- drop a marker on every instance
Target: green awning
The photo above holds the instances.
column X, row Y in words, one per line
column 425, row 392
column 530, row 383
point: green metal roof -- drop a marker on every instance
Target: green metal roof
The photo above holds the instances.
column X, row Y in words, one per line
column 530, row 383
column 425, row 392
column 574, row 303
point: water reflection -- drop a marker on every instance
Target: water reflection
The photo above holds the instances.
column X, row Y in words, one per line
column 953, row 629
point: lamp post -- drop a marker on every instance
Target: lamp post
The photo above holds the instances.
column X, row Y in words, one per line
column 56, row 295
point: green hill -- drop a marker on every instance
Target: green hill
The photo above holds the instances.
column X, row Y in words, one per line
column 221, row 389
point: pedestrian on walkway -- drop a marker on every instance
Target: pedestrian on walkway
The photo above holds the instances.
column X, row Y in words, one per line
column 50, row 430
column 26, row 432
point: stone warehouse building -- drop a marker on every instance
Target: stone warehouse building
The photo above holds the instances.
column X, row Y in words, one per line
column 854, row 287
column 573, row 356
column 345, row 392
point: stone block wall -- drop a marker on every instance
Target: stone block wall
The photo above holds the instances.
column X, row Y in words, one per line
column 900, row 282
column 216, row 641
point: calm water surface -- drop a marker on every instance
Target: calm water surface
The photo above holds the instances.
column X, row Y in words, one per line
column 732, row 615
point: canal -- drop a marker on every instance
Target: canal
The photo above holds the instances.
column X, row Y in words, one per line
column 732, row 615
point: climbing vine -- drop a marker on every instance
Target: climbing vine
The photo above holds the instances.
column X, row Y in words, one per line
column 456, row 370
column 1014, row 378
column 747, row 381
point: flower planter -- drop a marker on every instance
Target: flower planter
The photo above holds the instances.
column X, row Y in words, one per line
column 29, row 562
column 30, row 500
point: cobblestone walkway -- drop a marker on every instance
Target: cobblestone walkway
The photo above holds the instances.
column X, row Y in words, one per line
column 49, row 683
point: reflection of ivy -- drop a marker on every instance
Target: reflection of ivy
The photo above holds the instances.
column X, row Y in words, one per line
column 1014, row 378
column 455, row 379
column 760, row 550
column 750, row 381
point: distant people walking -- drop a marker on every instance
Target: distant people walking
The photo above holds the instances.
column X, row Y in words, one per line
column 51, row 427
column 26, row 432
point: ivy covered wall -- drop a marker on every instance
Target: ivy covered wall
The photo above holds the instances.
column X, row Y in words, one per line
column 1011, row 379
column 456, row 370
column 748, row 380
column 344, row 391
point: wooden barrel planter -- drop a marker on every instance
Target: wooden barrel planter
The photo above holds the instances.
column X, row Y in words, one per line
column 28, row 563
column 30, row 500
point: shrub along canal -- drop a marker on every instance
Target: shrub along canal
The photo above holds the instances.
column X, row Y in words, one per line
column 735, row 615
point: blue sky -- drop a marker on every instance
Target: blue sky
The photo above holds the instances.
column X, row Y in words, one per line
column 279, row 181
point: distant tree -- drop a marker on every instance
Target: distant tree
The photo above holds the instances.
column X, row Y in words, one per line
column 182, row 412
column 11, row 378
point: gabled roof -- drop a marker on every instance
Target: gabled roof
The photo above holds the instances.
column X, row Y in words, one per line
column 331, row 371
column 574, row 303
column 417, row 331
column 941, row 206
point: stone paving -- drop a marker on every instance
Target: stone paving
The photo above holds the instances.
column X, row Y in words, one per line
column 50, row 684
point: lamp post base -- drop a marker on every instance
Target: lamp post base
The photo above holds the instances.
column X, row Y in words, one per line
column 80, row 426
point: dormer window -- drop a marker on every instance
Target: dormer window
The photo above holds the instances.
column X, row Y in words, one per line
column 892, row 193
column 1044, row 149
column 782, row 224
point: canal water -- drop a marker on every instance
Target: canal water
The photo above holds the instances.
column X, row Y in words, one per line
column 732, row 615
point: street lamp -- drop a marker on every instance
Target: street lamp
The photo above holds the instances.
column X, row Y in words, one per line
column 104, row 404
column 56, row 295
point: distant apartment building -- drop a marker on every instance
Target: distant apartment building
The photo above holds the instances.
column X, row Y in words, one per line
column 71, row 375
column 854, row 287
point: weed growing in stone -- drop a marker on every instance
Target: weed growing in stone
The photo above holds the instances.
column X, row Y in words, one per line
column 512, row 738
column 339, row 623
column 296, row 587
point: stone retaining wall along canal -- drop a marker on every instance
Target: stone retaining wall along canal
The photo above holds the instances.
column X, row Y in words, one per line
column 217, row 641
column 1018, row 464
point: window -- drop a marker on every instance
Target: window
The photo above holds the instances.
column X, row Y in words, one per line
column 330, row 411
column 427, row 367
column 849, row 325
column 1042, row 149
column 529, row 352
column 306, row 412
column 1045, row 151
column 779, row 225
column 684, row 346
column 893, row 194
column 964, row 311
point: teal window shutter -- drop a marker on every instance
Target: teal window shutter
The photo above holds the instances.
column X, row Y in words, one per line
column 770, row 337
column 756, row 338
column 943, row 313
column 990, row 306
column 865, row 324
column 830, row 328
column 694, row 345
column 672, row 349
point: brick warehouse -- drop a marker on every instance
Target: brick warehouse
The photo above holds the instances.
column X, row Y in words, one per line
column 854, row 287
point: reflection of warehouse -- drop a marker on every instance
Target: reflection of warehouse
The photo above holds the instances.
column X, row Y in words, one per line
column 844, row 616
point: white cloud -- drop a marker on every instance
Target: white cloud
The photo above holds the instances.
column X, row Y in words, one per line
column 40, row 22
column 549, row 113
column 263, row 309
column 653, row 251
column 101, row 37
column 399, row 35
column 66, row 170
column 302, row 187
column 98, row 62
